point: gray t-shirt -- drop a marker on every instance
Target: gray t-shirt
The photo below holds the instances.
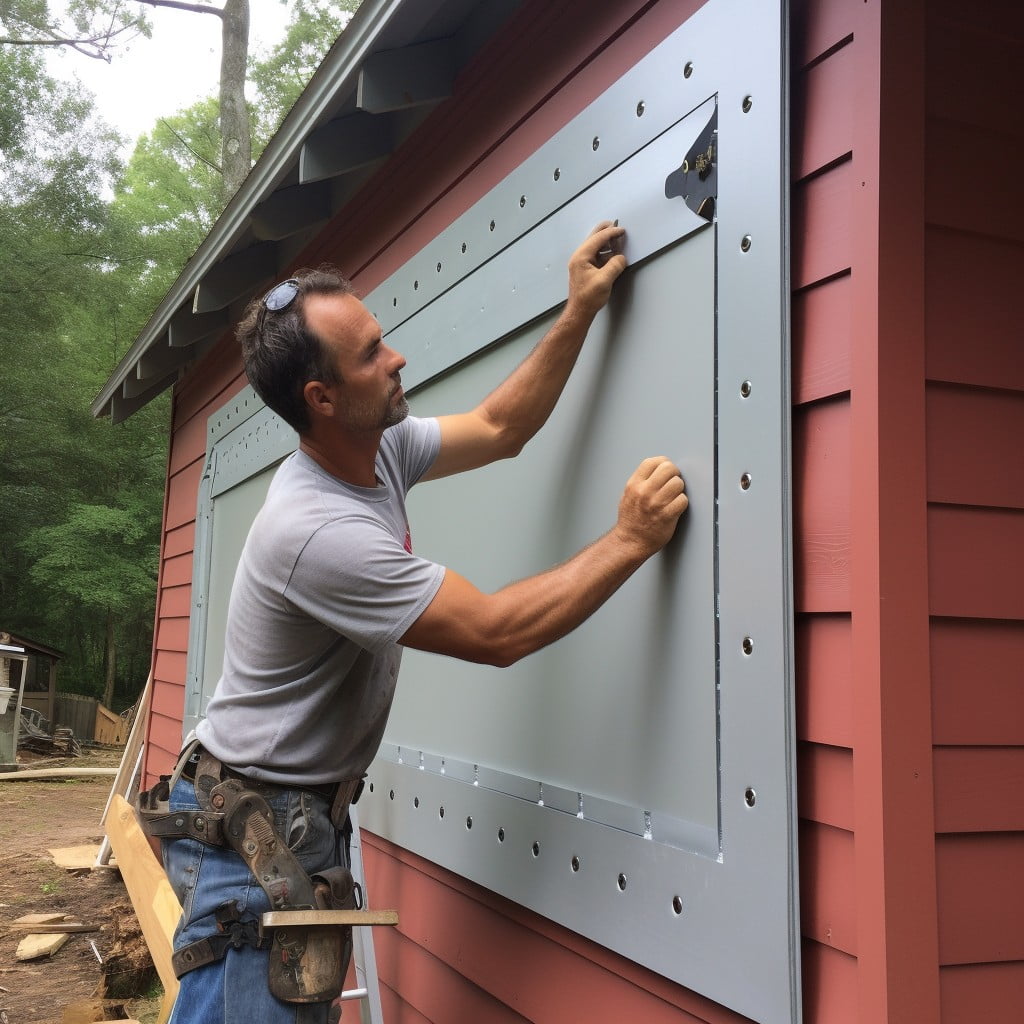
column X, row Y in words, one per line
column 326, row 586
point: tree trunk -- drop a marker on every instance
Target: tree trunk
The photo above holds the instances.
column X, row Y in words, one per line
column 111, row 660
column 236, row 145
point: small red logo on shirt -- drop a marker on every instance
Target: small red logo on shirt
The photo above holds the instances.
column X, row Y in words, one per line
column 408, row 539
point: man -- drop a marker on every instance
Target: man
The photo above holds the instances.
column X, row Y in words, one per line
column 328, row 592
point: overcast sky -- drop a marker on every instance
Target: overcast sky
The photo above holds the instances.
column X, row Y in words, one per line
column 159, row 76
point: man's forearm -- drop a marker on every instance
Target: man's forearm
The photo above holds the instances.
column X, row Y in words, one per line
column 522, row 403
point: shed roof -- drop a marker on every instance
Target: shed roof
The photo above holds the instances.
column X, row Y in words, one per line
column 395, row 62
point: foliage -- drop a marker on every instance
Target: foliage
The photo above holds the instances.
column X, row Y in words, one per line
column 91, row 27
column 91, row 246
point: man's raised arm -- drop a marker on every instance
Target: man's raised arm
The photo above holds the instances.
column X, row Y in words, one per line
column 500, row 628
column 502, row 423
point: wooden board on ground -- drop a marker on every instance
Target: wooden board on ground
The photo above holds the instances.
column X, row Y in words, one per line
column 156, row 906
column 72, row 858
column 34, row 774
column 47, row 918
column 33, row 946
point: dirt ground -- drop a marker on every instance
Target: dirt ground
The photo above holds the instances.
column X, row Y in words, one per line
column 34, row 818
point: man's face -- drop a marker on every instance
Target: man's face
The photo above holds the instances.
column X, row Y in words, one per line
column 369, row 397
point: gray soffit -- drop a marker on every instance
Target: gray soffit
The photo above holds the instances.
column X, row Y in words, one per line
column 394, row 63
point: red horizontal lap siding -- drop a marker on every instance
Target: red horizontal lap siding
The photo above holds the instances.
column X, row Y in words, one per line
column 991, row 993
column 978, row 698
column 975, row 400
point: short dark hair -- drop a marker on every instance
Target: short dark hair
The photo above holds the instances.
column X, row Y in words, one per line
column 281, row 354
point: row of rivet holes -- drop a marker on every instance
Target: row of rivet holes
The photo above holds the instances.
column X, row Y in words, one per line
column 677, row 902
column 748, row 102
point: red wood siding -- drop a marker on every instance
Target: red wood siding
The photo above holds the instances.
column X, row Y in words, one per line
column 974, row 261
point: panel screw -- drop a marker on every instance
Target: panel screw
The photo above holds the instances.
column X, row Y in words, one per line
column 745, row 243
column 557, row 173
column 688, row 69
column 536, row 849
column 596, row 144
column 745, row 482
column 501, row 835
column 622, row 883
column 677, row 905
column 522, row 201
column 469, row 821
column 575, row 863
column 748, row 102
column 748, row 645
column 640, row 109
column 492, row 225
column 440, row 812
column 218, row 800
column 750, row 797
column 745, row 388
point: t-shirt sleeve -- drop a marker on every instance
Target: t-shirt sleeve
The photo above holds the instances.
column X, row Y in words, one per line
column 414, row 445
column 356, row 578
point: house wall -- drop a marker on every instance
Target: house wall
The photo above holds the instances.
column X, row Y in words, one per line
column 907, row 403
column 974, row 399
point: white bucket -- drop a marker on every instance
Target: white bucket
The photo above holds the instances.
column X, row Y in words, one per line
column 6, row 692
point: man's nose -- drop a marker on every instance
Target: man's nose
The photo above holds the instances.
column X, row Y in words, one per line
column 397, row 361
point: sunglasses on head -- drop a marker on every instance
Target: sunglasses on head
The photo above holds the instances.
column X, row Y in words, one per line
column 281, row 296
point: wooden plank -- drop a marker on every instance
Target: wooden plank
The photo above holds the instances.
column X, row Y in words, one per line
column 972, row 311
column 824, row 679
column 981, row 901
column 289, row 918
column 977, row 697
column 35, row 774
column 155, row 904
column 822, row 340
column 825, row 784
column 34, row 946
column 59, row 927
column 74, row 858
column 828, row 890
column 42, row 918
column 993, row 993
column 821, row 499
column 974, row 440
column 822, row 113
column 976, row 562
column 136, row 738
column 821, row 226
column 977, row 789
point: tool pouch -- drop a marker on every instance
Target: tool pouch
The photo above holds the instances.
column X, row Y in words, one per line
column 308, row 963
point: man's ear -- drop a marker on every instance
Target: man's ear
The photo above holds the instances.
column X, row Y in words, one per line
column 318, row 398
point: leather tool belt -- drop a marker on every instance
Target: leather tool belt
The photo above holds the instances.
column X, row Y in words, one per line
column 307, row 963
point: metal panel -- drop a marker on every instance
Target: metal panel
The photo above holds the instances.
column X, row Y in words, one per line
column 636, row 781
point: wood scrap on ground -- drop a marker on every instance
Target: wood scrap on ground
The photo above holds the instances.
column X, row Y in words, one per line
column 75, row 858
column 30, row 774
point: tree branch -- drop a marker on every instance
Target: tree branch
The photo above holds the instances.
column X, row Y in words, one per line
column 199, row 156
column 179, row 5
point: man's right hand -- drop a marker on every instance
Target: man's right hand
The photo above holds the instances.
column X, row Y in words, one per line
column 654, row 499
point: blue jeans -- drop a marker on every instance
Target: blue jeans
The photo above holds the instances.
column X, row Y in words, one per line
column 235, row 990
